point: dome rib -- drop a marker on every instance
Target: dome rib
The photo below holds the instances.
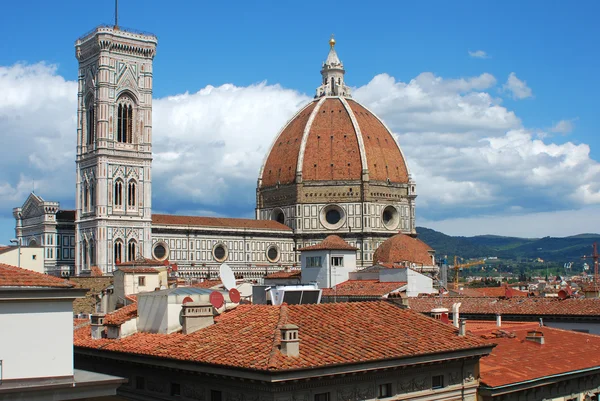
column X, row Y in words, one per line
column 359, row 137
column 305, row 134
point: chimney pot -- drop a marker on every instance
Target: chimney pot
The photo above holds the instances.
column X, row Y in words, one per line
column 462, row 327
column 97, row 323
column 455, row 314
column 290, row 342
column 535, row 336
column 499, row 320
column 196, row 316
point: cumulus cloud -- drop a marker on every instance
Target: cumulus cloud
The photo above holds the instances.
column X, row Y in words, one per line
column 563, row 126
column 470, row 155
column 517, row 88
column 478, row 54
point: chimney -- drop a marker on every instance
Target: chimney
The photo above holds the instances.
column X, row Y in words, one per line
column 97, row 325
column 499, row 320
column 462, row 327
column 455, row 314
column 535, row 336
column 290, row 343
column 196, row 316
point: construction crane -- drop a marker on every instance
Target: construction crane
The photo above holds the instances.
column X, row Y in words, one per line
column 457, row 267
column 594, row 257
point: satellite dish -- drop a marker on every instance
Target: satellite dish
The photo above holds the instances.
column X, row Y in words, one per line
column 234, row 296
column 187, row 299
column 226, row 276
column 245, row 289
column 216, row 299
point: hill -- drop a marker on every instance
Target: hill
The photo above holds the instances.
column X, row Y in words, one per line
column 554, row 249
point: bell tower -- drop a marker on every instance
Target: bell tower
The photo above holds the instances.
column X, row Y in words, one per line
column 114, row 147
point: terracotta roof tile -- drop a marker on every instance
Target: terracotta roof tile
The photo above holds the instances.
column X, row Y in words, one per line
column 227, row 222
column 561, row 353
column 285, row 274
column 490, row 292
column 121, row 315
column 373, row 288
column 12, row 276
column 355, row 332
column 332, row 243
column 140, row 269
column 403, row 248
column 207, row 284
column 539, row 306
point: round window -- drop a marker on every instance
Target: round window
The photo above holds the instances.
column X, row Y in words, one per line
column 390, row 217
column 160, row 251
column 273, row 253
column 220, row 253
column 332, row 217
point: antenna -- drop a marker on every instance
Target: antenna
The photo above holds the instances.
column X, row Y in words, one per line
column 226, row 276
column 116, row 13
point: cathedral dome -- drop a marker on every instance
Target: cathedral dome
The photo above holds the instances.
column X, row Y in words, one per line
column 334, row 138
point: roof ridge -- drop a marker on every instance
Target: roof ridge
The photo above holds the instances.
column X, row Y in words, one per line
column 273, row 357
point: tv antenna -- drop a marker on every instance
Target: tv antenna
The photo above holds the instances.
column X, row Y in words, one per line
column 116, row 13
column 594, row 257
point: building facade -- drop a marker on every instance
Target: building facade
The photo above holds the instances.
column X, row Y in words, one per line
column 334, row 168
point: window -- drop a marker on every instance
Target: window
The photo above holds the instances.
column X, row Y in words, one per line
column 131, row 247
column 175, row 389
column 220, row 253
column 322, row 397
column 125, row 120
column 118, row 252
column 437, row 382
column 91, row 122
column 160, row 251
column 140, row 383
column 384, row 390
column 58, row 253
column 86, row 197
column 131, row 194
column 142, row 281
column 118, row 195
column 215, row 395
column 34, row 257
column 273, row 253
column 313, row 261
column 337, row 261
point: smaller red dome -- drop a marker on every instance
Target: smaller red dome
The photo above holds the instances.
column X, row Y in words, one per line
column 403, row 248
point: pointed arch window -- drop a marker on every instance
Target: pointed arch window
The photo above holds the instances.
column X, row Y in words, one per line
column 125, row 119
column 90, row 119
column 118, row 194
column 131, row 193
column 84, row 255
column 86, row 197
column 131, row 250
column 92, row 193
column 118, row 251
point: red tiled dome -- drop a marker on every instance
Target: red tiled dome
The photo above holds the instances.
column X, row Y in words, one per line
column 333, row 138
column 403, row 248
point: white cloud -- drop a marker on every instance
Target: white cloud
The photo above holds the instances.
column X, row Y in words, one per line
column 563, row 126
column 470, row 155
column 478, row 54
column 517, row 88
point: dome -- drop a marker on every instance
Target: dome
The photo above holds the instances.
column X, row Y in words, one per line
column 334, row 138
column 403, row 248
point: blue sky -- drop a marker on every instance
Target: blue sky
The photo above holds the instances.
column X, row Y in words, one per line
column 549, row 45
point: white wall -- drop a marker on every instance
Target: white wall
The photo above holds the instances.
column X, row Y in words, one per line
column 418, row 284
column 327, row 276
column 36, row 339
column 127, row 283
column 31, row 258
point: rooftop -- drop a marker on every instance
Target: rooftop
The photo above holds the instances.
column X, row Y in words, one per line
column 121, row 315
column 561, row 352
column 331, row 243
column 217, row 222
column 402, row 248
column 142, row 262
column 491, row 292
column 539, row 306
column 285, row 274
column 12, row 276
column 372, row 288
column 355, row 332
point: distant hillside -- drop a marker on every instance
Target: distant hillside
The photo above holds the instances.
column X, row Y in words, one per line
column 554, row 249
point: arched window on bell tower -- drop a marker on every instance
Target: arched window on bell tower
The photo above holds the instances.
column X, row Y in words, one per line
column 125, row 107
column 90, row 119
column 131, row 250
column 131, row 194
column 118, row 194
column 118, row 251
column 86, row 197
